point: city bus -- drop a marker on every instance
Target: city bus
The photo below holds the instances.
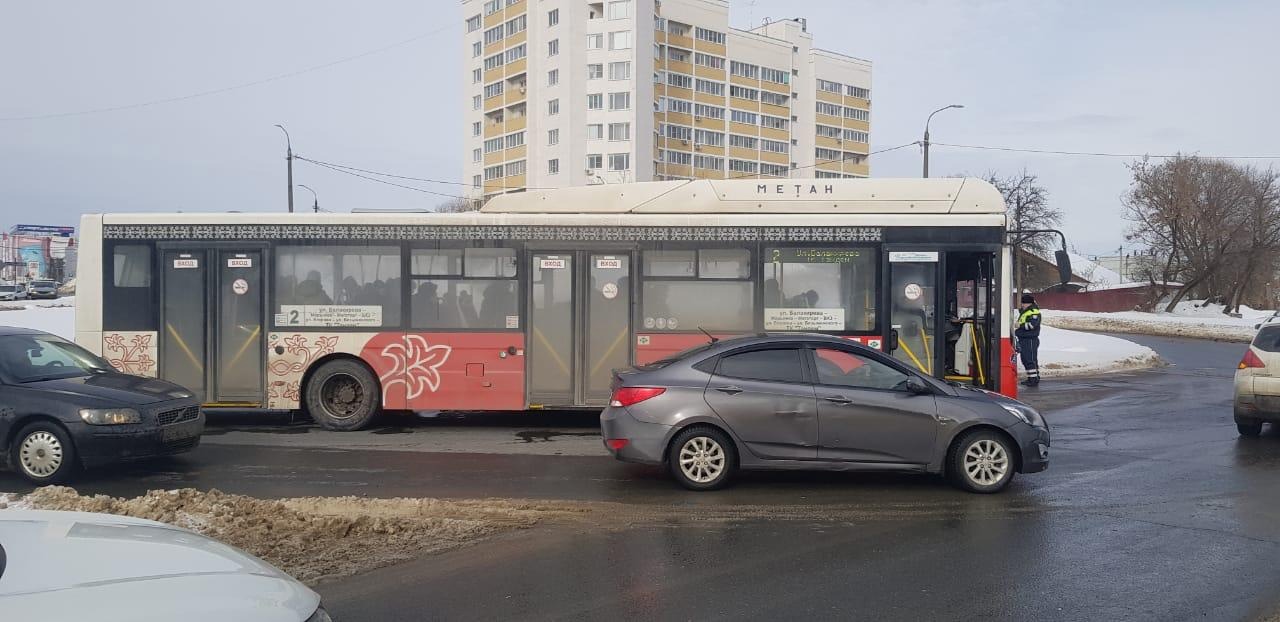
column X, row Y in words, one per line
column 533, row 301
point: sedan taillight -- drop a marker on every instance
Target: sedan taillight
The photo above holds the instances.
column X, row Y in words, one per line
column 1250, row 360
column 626, row 396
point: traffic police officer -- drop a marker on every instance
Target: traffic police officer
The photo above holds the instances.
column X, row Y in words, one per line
column 1028, row 335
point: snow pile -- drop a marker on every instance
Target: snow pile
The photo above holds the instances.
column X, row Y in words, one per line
column 1189, row 319
column 1098, row 276
column 12, row 501
column 315, row 537
column 1071, row 353
column 52, row 316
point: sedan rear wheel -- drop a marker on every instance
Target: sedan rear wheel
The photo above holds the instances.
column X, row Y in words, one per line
column 43, row 454
column 702, row 458
column 1251, row 429
column 982, row 461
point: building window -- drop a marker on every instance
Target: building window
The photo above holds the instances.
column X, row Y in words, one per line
column 745, row 70
column 707, row 60
column 595, row 161
column 476, row 181
column 679, row 80
column 475, row 102
column 857, row 91
column 678, row 29
column 553, row 17
column 493, row 62
column 745, row 142
column 712, row 163
column 514, row 54
column 473, row 23
column 553, row 167
column 476, row 155
column 820, row 174
column 620, row 101
column 680, row 106
column 677, row 157
column 620, row 71
column 708, row 137
column 840, row 281
column 492, row 6
column 742, row 166
column 709, row 87
column 829, row 86
column 826, row 155
column 553, row 137
column 338, row 276
column 708, row 111
column 619, row 161
column 828, row 131
column 775, row 99
column 515, row 168
column 828, row 109
column 475, row 129
column 493, row 35
column 595, row 101
column 493, row 90
column 476, row 75
column 774, row 146
column 773, row 170
column 595, row 71
column 620, row 40
column 619, row 131
column 742, row 92
column 493, row 172
column 678, row 132
column 620, row 10
column 777, row 123
column 553, row 47
column 777, row 76
column 678, row 55
column 659, row 24
column 739, row 116
column 595, row 42
column 477, row 49
column 517, row 24
column 553, row 107
column 493, row 144
column 857, row 114
column 857, row 136
column 553, row 77
column 515, row 140
column 706, row 34
column 595, row 131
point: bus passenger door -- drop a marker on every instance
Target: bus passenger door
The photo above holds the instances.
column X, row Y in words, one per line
column 183, row 319
column 913, row 309
column 238, row 376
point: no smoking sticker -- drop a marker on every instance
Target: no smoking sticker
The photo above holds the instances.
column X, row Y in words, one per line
column 913, row 291
column 240, row 287
column 610, row 290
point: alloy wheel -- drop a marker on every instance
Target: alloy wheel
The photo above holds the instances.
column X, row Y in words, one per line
column 702, row 459
column 986, row 462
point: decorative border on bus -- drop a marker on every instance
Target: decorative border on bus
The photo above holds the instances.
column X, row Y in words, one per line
column 490, row 232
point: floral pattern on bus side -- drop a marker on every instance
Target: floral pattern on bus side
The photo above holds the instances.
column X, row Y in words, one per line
column 131, row 352
column 415, row 364
column 287, row 366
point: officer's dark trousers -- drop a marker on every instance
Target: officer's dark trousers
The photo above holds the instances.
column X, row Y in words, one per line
column 1029, row 350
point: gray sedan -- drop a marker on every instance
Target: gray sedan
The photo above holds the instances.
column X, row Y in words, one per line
column 815, row 402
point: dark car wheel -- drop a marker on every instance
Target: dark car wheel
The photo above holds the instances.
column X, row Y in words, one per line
column 343, row 395
column 42, row 454
column 702, row 458
column 981, row 461
column 1251, row 429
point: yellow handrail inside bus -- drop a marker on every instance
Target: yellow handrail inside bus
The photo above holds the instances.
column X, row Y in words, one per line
column 240, row 352
column 977, row 350
column 622, row 336
column 182, row 344
column 912, row 355
column 552, row 351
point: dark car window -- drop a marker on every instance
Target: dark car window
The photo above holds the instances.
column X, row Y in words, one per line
column 677, row 357
column 30, row 358
column 1268, row 339
column 776, row 365
column 842, row 368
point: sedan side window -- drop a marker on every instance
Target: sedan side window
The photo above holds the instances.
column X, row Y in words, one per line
column 842, row 368
column 779, row 365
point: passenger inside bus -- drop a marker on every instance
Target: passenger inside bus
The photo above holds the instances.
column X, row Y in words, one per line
column 311, row 291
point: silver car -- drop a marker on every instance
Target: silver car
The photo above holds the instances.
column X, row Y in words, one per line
column 815, row 402
column 13, row 292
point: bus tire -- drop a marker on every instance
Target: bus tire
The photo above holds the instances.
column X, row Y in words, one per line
column 343, row 395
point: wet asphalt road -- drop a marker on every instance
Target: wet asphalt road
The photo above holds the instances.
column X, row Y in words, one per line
column 1152, row 509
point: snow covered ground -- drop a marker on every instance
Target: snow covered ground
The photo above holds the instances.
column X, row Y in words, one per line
column 53, row 316
column 1073, row 353
column 1189, row 319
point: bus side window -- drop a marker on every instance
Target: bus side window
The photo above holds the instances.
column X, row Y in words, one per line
column 127, row 296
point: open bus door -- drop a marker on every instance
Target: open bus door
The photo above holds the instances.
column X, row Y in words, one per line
column 943, row 313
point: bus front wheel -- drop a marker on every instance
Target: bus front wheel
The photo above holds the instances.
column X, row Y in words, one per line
column 343, row 395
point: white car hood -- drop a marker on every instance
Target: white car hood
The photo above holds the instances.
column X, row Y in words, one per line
column 106, row 568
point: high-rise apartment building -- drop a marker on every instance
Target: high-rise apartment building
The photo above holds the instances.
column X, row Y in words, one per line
column 575, row 92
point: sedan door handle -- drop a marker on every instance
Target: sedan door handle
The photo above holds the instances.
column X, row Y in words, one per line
column 838, row 399
column 731, row 390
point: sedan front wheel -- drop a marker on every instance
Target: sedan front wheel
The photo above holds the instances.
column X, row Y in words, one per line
column 43, row 454
column 982, row 462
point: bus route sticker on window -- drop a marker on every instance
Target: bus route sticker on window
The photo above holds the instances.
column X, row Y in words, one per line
column 331, row 315
column 513, row 321
column 239, row 262
column 804, row 319
column 551, row 264
column 186, row 263
column 913, row 257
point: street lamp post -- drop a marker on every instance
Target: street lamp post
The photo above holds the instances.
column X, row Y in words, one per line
column 288, row 157
column 926, row 134
column 315, row 200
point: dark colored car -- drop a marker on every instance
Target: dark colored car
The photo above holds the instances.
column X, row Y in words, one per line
column 42, row 289
column 815, row 402
column 63, row 408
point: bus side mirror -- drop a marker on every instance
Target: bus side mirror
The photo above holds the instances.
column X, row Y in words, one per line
column 1064, row 266
column 891, row 343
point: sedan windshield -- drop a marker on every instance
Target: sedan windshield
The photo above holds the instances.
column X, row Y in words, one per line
column 42, row 283
column 32, row 358
column 8, row 289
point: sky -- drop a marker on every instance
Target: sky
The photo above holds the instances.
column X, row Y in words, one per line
column 1100, row 76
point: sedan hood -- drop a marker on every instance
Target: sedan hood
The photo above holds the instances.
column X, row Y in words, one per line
column 66, row 565
column 123, row 388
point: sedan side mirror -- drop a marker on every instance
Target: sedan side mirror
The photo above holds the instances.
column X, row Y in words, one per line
column 916, row 386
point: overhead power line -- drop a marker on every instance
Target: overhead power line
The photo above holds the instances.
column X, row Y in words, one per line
column 1108, row 155
column 382, row 181
column 821, row 162
column 395, row 176
column 227, row 89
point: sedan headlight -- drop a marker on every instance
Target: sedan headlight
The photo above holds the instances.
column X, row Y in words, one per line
column 1026, row 414
column 110, row 416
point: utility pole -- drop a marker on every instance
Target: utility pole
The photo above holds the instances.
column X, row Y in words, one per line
column 926, row 135
column 315, row 200
column 288, row 158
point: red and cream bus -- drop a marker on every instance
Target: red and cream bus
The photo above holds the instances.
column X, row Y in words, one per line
column 531, row 302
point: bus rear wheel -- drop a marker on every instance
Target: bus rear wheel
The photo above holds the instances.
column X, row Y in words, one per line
column 343, row 395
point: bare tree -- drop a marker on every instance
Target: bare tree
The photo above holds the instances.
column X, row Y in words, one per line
column 458, row 204
column 1027, row 205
